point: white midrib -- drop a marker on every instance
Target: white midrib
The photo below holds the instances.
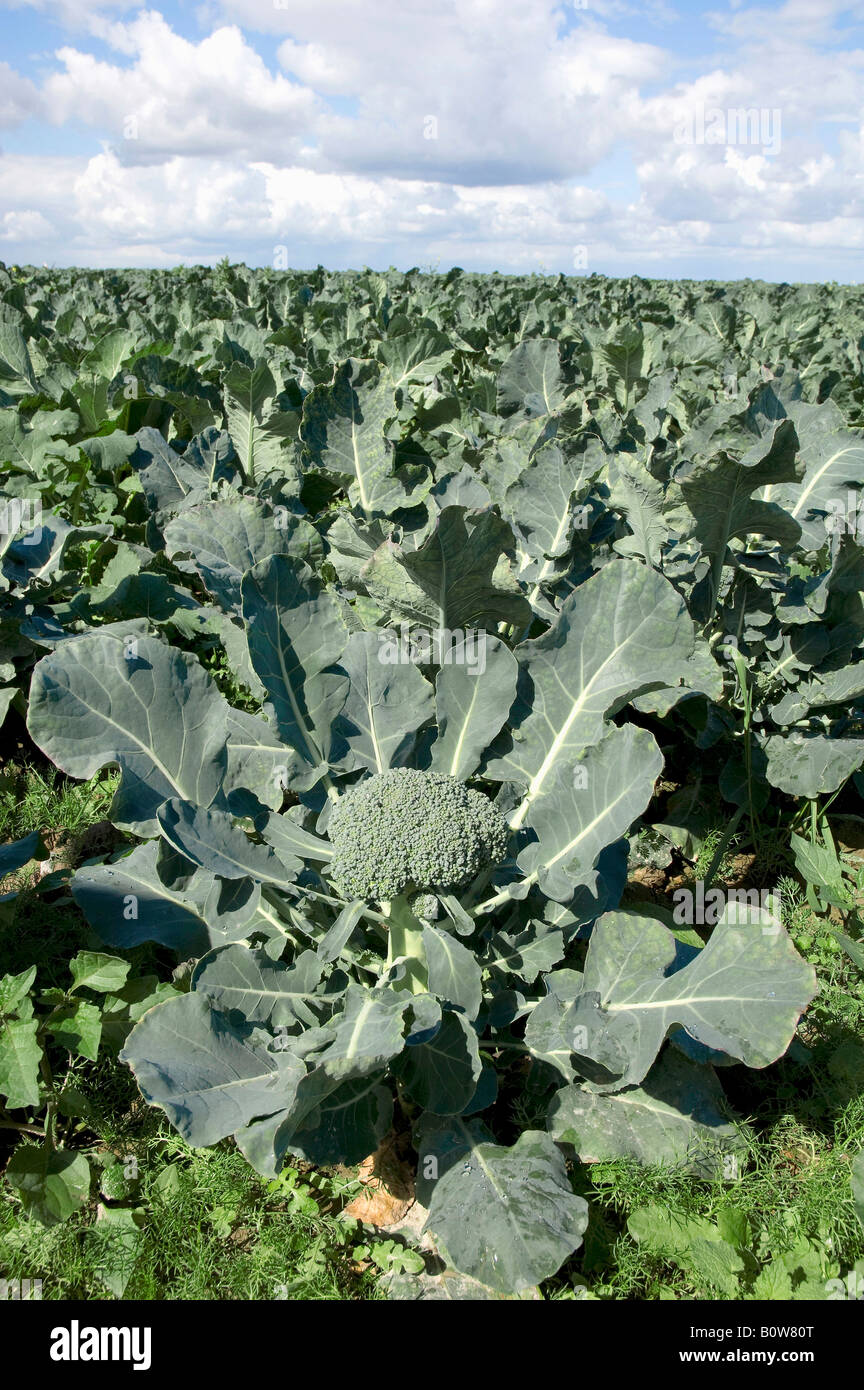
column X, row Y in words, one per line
column 820, row 472
column 357, row 1030
column 677, row 1002
column 565, row 517
column 815, row 479
column 311, row 744
column 373, row 734
column 586, row 830
column 557, row 743
column 460, row 742
column 239, row 864
column 361, row 486
column 442, row 590
column 169, row 777
column 250, row 438
column 260, row 993
column 548, row 403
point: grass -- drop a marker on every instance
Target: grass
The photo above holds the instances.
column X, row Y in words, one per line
column 46, row 931
column 33, row 798
column 205, row 1226
column 793, row 1188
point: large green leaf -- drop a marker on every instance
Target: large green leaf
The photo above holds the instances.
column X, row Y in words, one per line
column 472, row 700
column 258, row 761
column 527, row 953
column 210, row 839
column 625, row 356
column 361, row 1039
column 545, row 1035
column 618, row 634
column 834, row 461
column 20, row 852
column 416, row 356
column 128, row 902
column 220, row 540
column 638, row 496
column 166, row 477
column 585, row 807
column 149, row 708
column 441, row 1074
column 530, row 379
column 810, row 764
column 208, row 1077
column 840, row 687
column 452, row 971
column 742, row 994
column 388, row 700
column 718, row 494
column 296, row 632
column 32, row 446
column 260, row 423
column 15, row 988
column 344, row 428
column 16, row 369
column 677, row 1116
column 330, row 1121
column 262, row 990
column 77, row 1028
column 455, row 580
column 507, row 1217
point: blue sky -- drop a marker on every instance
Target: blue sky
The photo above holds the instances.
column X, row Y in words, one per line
column 601, row 136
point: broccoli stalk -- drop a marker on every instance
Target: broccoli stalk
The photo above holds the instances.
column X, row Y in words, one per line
column 405, row 940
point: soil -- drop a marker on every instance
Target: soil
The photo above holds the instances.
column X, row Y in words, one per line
column 388, row 1181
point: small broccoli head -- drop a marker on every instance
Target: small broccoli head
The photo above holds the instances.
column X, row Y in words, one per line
column 407, row 830
column 427, row 906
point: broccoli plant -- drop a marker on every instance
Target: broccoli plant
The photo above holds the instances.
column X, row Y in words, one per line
column 400, row 879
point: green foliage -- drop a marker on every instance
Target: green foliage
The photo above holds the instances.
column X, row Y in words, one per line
column 312, row 547
column 37, row 1027
column 197, row 1224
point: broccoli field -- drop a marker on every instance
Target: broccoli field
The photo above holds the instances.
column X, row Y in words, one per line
column 431, row 821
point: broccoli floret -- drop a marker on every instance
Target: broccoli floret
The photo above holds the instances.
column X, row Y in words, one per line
column 427, row 906
column 413, row 831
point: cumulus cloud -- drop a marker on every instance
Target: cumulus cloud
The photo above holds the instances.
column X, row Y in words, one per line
column 486, row 132
column 213, row 98
column 19, row 98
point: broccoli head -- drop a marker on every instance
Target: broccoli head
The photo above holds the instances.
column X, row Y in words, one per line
column 405, row 830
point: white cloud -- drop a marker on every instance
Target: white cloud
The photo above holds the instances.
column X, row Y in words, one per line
column 214, row 98
column 26, row 225
column 19, row 98
column 536, row 113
